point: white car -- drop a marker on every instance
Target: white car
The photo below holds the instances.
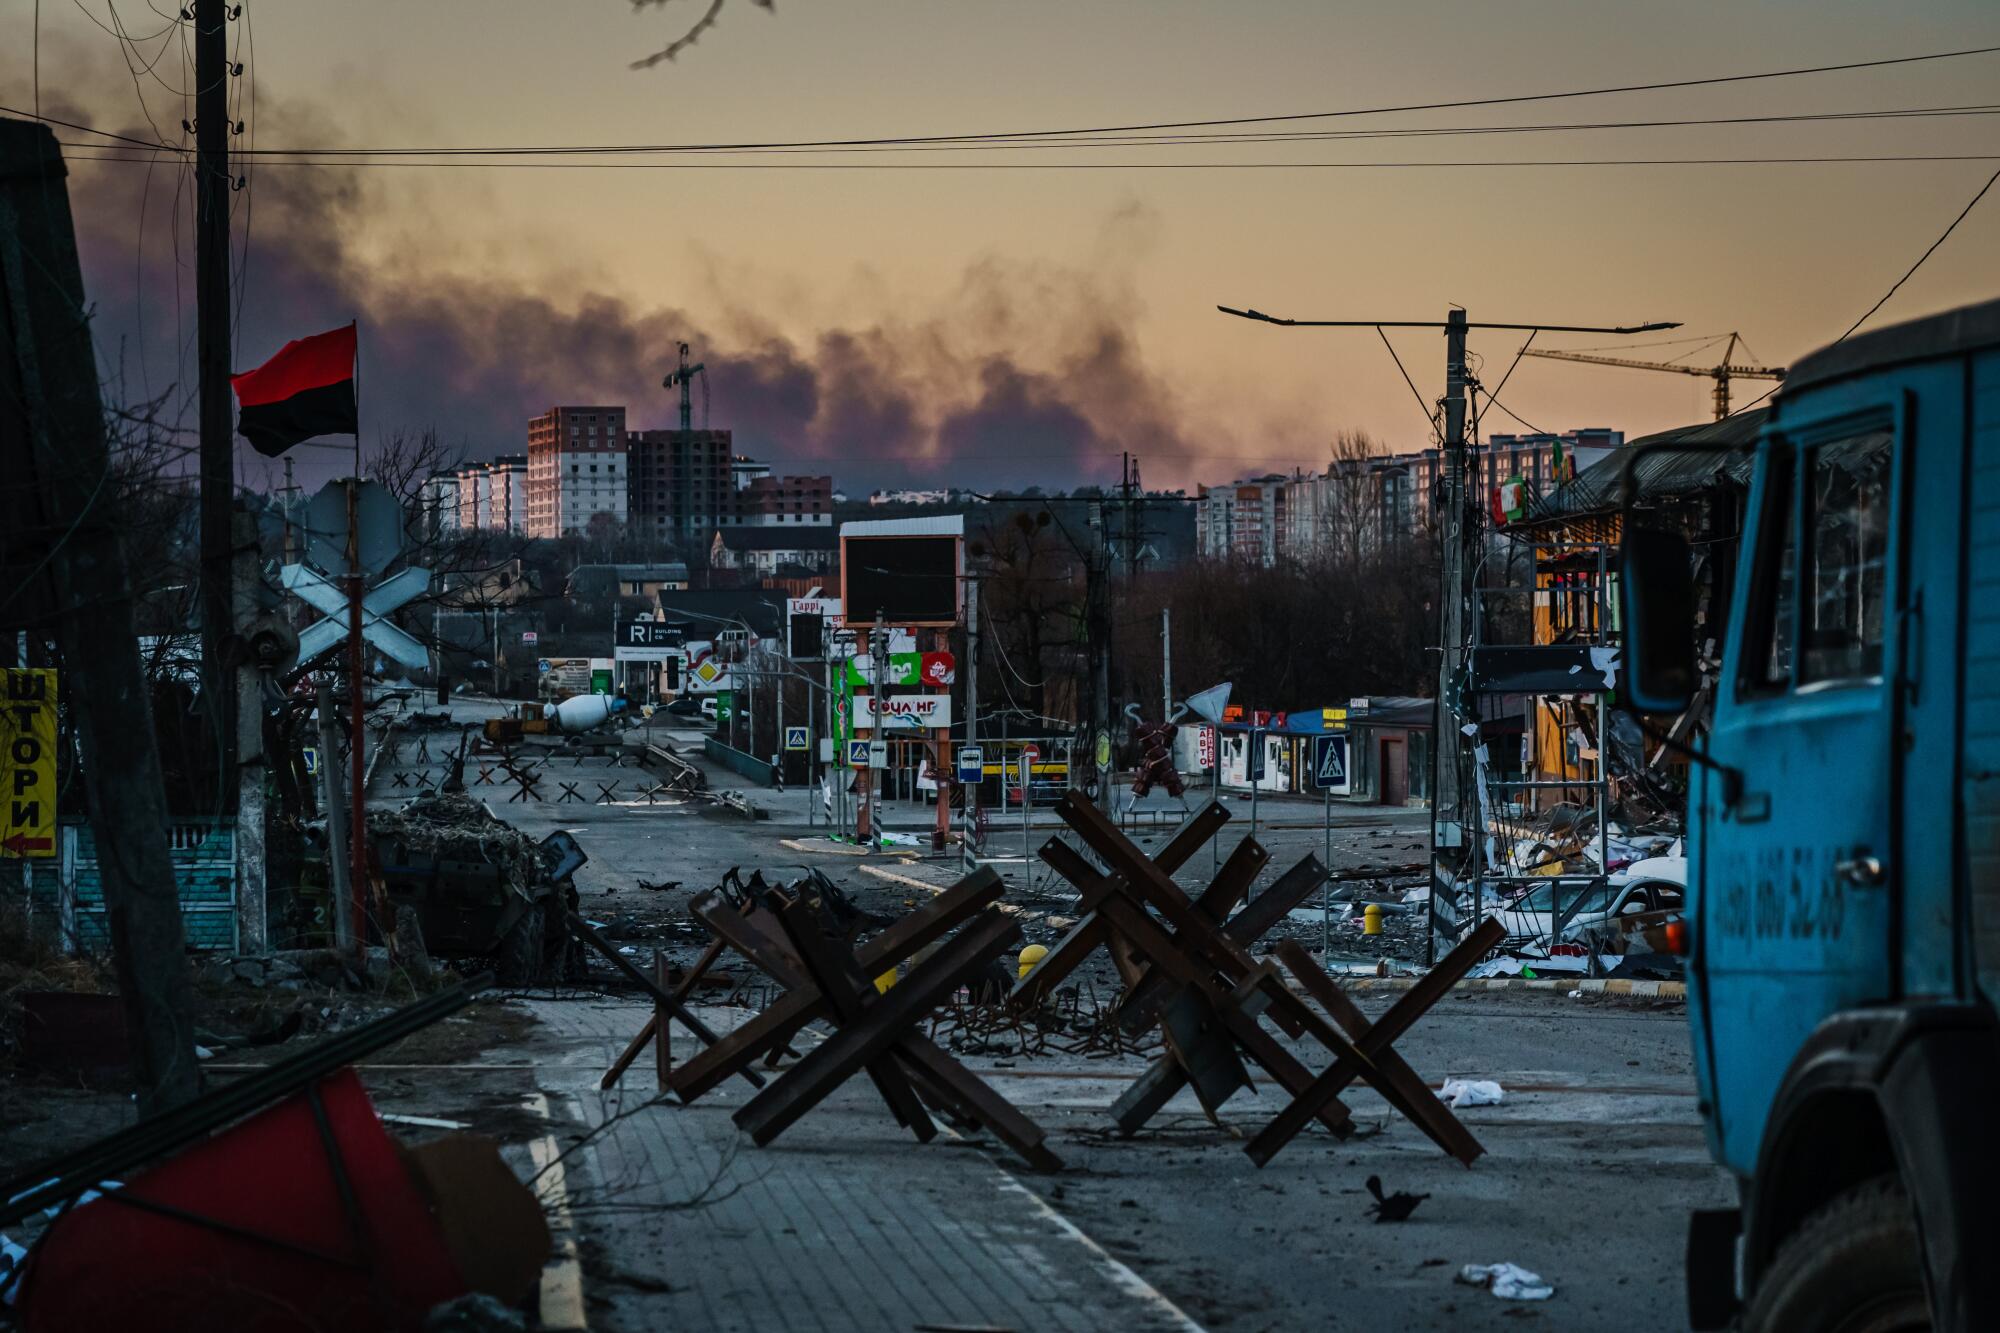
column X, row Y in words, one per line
column 710, row 711
column 1657, row 884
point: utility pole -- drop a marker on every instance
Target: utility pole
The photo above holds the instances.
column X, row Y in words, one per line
column 52, row 435
column 1097, row 633
column 1166, row 663
column 1455, row 846
column 969, row 801
column 878, row 678
column 218, row 451
column 1451, row 822
column 357, row 708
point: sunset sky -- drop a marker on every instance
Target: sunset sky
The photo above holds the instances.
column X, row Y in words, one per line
column 1007, row 320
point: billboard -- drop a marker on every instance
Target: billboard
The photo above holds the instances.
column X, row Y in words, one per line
column 648, row 640
column 908, row 571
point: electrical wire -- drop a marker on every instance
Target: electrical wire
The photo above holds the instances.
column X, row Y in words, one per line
column 1422, row 406
column 1096, row 166
column 1893, row 287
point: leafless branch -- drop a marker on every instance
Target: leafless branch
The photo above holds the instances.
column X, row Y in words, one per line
column 693, row 34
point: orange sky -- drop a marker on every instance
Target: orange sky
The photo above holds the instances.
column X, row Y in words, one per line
column 952, row 268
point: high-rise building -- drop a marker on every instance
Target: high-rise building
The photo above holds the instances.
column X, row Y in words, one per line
column 576, row 470
column 1244, row 520
column 507, row 477
column 682, row 483
column 440, row 505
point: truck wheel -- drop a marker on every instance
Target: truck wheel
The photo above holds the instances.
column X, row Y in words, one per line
column 1852, row 1267
column 520, row 959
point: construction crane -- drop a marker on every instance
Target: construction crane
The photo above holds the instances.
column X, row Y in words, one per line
column 683, row 379
column 1721, row 374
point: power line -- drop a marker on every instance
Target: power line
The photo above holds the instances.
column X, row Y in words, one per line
column 1073, row 132
column 1109, row 166
column 1924, row 256
column 1149, row 141
column 1893, row 287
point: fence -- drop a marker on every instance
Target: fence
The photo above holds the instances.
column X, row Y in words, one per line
column 66, row 891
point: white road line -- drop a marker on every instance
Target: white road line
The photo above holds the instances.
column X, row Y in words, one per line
column 562, row 1276
column 1120, row 1276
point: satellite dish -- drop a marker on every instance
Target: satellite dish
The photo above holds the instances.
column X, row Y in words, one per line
column 1210, row 702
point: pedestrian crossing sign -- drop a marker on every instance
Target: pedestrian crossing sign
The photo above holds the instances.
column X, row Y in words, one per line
column 1329, row 761
column 795, row 738
column 857, row 754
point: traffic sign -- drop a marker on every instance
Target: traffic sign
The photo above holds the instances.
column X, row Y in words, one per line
column 878, row 754
column 795, row 738
column 1031, row 752
column 857, row 754
column 314, row 588
column 380, row 516
column 1329, row 761
column 971, row 763
column 543, row 666
column 529, row 638
column 1104, row 749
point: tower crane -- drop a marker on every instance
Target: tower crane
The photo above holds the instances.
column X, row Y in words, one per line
column 683, row 379
column 1721, row 374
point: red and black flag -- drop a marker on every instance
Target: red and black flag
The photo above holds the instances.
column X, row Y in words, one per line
column 307, row 389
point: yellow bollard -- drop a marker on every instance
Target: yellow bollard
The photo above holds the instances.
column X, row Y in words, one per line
column 1030, row 956
column 1371, row 919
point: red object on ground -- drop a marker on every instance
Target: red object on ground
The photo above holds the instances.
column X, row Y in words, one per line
column 275, row 1246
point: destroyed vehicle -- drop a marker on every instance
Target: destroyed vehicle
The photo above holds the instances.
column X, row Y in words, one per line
column 1657, row 884
column 482, row 888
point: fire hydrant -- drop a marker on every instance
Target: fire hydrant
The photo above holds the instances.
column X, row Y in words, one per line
column 1030, row 956
column 1371, row 919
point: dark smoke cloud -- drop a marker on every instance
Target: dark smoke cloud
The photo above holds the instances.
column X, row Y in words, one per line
column 1024, row 373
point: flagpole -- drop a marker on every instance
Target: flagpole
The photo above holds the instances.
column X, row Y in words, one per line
column 357, row 837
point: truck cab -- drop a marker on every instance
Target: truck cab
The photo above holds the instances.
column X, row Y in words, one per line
column 1844, row 841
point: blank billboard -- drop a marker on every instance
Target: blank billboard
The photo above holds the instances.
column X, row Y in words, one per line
column 910, row 580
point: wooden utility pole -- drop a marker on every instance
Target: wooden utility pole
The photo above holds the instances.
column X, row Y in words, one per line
column 62, row 523
column 218, row 452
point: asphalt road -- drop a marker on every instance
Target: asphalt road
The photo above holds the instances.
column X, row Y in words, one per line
column 1593, row 1160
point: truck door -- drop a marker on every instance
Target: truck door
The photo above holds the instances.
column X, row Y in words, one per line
column 1792, row 922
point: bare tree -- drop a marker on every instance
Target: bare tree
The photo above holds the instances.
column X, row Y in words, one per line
column 693, row 34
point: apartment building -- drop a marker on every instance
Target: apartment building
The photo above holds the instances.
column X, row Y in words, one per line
column 576, row 470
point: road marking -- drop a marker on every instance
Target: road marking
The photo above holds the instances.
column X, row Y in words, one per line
column 1121, row 1277
column 562, row 1276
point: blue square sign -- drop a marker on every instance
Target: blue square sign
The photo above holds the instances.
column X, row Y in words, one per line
column 857, row 754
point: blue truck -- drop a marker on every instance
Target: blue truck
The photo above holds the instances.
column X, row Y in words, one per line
column 1843, row 918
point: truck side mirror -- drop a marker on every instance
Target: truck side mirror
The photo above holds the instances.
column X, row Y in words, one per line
column 1656, row 573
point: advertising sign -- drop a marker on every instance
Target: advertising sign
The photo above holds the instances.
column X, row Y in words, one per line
column 1204, row 747
column 647, row 641
column 28, row 762
column 903, row 712
column 937, row 669
column 807, row 621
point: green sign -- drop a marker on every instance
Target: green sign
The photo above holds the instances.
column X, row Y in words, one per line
column 903, row 669
column 725, row 705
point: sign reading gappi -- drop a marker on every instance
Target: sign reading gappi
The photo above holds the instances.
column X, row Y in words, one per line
column 904, row 712
column 27, row 762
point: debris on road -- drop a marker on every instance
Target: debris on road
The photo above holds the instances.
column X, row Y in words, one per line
column 1460, row 1092
column 1509, row 1282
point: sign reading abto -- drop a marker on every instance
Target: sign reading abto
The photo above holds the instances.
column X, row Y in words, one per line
column 1204, row 747
column 27, row 762
column 903, row 712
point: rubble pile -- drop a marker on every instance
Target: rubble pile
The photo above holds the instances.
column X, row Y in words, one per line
column 460, row 828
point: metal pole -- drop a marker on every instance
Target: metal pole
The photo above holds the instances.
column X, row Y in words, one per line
column 878, row 685
column 1448, row 745
column 1166, row 662
column 1326, row 889
column 357, row 841
column 218, row 442
column 969, row 800
column 336, row 820
column 1254, row 770
column 1215, row 794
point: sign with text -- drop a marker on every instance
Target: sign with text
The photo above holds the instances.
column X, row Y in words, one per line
column 903, row 712
column 938, row 669
column 27, row 761
column 807, row 620
column 648, row 641
column 971, row 763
